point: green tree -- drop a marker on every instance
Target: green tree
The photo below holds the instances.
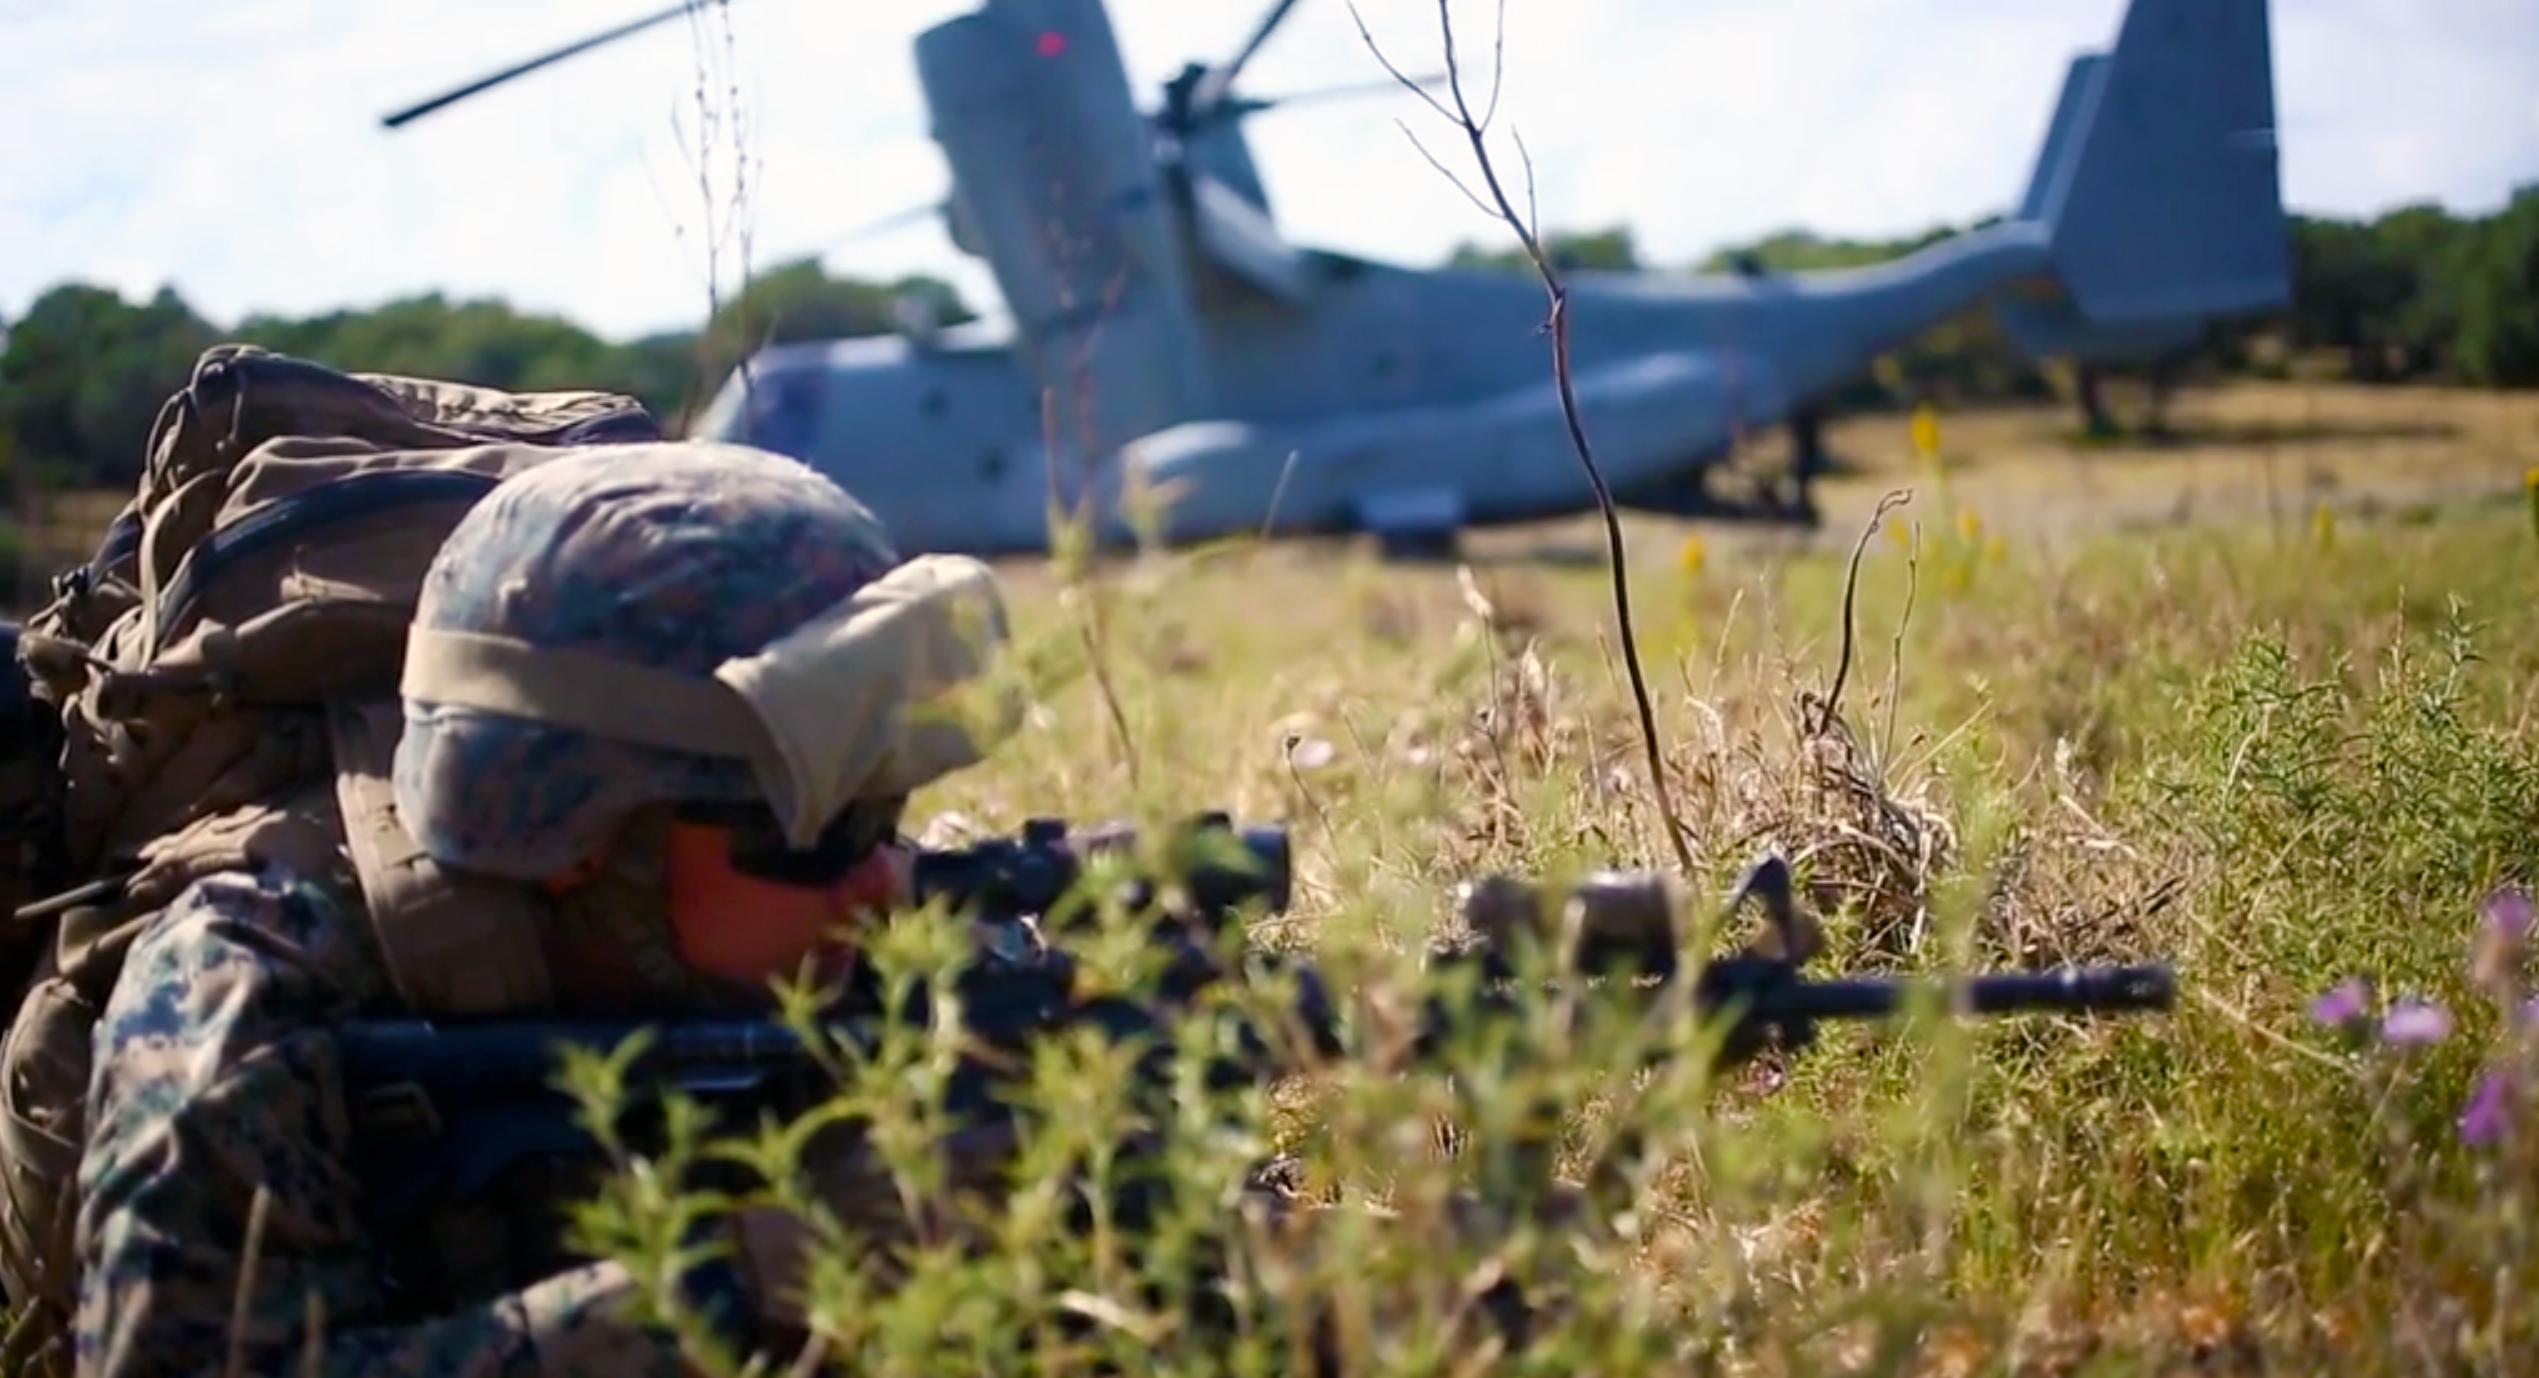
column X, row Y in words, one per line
column 2494, row 276
column 1570, row 251
column 798, row 300
column 1801, row 251
column 84, row 373
column 484, row 342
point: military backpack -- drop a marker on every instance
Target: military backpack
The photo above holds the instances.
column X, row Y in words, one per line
column 215, row 688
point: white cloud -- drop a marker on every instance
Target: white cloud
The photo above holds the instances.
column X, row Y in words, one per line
column 233, row 150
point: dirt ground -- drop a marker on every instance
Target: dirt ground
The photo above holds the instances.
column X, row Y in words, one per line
column 2247, row 452
column 2252, row 451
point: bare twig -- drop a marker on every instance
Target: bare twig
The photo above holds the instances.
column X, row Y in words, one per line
column 1475, row 129
column 1082, row 578
column 1895, row 498
column 1277, row 492
column 313, row 1336
column 242, row 1300
column 735, row 223
column 1895, row 646
column 1082, row 584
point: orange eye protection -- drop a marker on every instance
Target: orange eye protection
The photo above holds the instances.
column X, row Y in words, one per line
column 745, row 907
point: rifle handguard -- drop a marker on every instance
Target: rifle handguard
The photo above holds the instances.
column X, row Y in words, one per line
column 1608, row 922
column 1622, row 923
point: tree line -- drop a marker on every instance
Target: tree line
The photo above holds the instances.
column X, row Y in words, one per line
column 2418, row 295
column 83, row 370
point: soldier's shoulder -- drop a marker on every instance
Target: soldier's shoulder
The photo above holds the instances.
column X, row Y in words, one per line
column 270, row 897
column 264, row 926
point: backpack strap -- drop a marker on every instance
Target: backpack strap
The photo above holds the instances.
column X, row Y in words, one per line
column 298, row 517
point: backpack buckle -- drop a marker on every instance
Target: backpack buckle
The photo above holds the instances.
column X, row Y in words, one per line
column 401, row 1110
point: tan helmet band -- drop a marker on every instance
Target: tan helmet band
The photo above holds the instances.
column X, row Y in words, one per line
column 579, row 689
column 840, row 709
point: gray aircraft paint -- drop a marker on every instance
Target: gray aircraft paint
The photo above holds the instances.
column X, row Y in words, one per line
column 1161, row 326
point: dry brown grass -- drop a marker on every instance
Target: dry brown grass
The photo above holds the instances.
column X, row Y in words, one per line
column 2060, row 731
column 2108, row 703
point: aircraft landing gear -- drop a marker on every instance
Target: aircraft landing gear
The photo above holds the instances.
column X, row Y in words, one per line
column 1800, row 507
column 1807, row 463
column 1418, row 547
column 1795, row 500
column 1414, row 527
column 1766, row 498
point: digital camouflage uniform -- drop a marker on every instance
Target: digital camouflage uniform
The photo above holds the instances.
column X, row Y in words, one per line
column 219, row 1179
column 215, row 1081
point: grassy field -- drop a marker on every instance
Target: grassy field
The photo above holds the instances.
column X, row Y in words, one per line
column 2257, row 703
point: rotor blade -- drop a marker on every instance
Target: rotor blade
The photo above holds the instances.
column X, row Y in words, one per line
column 887, row 223
column 416, row 112
column 1219, row 80
column 1235, row 107
column 1354, row 88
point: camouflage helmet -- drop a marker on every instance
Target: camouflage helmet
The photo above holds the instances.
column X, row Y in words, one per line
column 676, row 556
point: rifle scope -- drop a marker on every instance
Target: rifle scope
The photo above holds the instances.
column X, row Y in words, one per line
column 1221, row 868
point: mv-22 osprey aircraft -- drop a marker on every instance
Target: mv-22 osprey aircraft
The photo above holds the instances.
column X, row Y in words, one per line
column 1285, row 390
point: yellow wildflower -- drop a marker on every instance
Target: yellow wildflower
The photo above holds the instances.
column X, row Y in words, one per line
column 1926, row 431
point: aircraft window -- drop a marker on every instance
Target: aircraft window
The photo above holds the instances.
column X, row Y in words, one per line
column 992, row 465
column 935, row 404
column 785, row 412
column 1340, row 267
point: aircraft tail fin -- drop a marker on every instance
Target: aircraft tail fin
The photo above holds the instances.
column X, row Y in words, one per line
column 2158, row 182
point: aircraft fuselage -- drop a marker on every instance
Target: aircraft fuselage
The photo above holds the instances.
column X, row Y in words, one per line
column 950, row 443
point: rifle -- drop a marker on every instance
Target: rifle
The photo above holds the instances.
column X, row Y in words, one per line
column 446, row 1106
column 467, row 1099
column 1615, row 925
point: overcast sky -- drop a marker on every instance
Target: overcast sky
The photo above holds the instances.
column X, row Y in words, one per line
column 232, row 149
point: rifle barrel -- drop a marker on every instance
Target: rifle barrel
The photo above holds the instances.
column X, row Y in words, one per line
column 2078, row 990
column 517, row 1055
column 510, row 1057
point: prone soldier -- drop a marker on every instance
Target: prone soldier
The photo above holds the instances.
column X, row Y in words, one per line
column 565, row 747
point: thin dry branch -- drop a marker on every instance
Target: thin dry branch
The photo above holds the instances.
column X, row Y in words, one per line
column 1894, row 499
column 243, row 1296
column 736, row 222
column 1082, row 576
column 1895, row 644
column 1499, row 205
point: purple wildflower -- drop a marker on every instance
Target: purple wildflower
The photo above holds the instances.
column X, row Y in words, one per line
column 2488, row 1115
column 2343, row 1004
column 2415, row 1021
column 2507, row 911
